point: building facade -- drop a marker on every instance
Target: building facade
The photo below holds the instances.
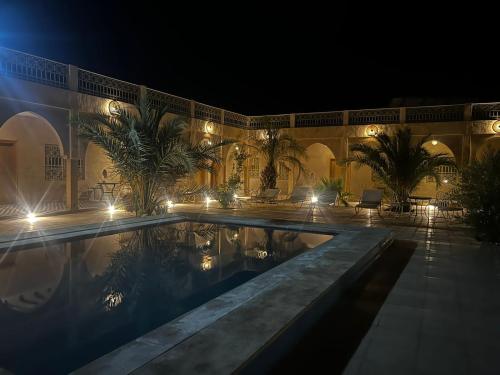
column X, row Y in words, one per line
column 42, row 159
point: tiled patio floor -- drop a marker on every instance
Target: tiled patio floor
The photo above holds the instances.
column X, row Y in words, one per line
column 443, row 313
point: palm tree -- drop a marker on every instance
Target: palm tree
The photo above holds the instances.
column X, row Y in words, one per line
column 399, row 163
column 278, row 147
column 148, row 153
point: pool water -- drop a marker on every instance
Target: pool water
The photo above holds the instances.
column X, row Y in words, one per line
column 66, row 304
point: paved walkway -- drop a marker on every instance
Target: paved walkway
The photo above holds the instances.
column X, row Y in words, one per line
column 443, row 313
column 47, row 208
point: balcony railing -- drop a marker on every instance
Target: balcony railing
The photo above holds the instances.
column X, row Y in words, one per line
column 374, row 116
column 441, row 113
column 486, row 111
column 206, row 112
column 47, row 72
column 235, row 119
column 174, row 104
column 303, row 120
column 278, row 121
column 33, row 68
column 107, row 87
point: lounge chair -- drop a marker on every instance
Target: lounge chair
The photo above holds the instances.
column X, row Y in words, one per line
column 267, row 196
column 299, row 195
column 448, row 207
column 371, row 199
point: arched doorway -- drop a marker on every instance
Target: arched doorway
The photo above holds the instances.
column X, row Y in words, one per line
column 33, row 164
column 491, row 143
column 320, row 163
column 448, row 174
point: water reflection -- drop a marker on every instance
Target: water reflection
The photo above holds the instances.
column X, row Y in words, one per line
column 81, row 299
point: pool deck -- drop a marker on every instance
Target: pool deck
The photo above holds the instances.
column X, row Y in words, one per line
column 442, row 315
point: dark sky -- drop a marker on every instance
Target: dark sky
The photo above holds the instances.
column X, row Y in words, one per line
column 258, row 60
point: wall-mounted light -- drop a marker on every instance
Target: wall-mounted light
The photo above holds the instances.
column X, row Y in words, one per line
column 434, row 142
column 496, row 126
column 114, row 108
column 371, row 131
column 209, row 127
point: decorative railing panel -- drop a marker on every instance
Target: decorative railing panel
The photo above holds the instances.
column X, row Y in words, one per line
column 106, row 87
column 33, row 68
column 174, row 104
column 374, row 116
column 278, row 121
column 486, row 111
column 206, row 112
column 435, row 114
column 235, row 119
column 303, row 120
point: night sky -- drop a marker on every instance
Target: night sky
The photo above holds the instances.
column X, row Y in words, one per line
column 258, row 60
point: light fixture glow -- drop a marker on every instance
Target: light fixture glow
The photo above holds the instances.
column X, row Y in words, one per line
column 114, row 108
column 111, row 209
column 314, row 199
column 434, row 142
column 371, row 131
column 31, row 217
column 445, row 180
column 207, row 200
column 235, row 196
column 496, row 126
column 170, row 204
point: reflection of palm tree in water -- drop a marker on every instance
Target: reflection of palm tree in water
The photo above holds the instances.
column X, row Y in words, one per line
column 151, row 268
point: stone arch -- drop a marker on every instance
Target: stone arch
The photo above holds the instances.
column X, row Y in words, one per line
column 321, row 163
column 26, row 140
column 492, row 142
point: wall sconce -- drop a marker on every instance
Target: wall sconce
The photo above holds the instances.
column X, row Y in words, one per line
column 496, row 126
column 209, row 127
column 114, row 108
column 371, row 131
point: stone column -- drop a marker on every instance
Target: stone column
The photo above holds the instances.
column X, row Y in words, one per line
column 73, row 155
column 467, row 138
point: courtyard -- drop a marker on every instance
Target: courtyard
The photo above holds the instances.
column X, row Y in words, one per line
column 443, row 298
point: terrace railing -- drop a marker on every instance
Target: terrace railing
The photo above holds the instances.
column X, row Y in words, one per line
column 51, row 73
column 261, row 122
column 235, row 119
column 33, row 68
column 206, row 112
column 317, row 119
column 374, row 116
column 486, row 111
column 106, row 87
column 441, row 113
column 175, row 104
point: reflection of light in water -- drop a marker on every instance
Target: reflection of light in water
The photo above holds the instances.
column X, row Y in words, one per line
column 207, row 263
column 261, row 254
column 113, row 299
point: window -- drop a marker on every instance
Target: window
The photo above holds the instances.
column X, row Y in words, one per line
column 283, row 171
column 54, row 164
column 254, row 169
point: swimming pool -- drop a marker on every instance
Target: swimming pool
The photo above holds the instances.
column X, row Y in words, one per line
column 65, row 304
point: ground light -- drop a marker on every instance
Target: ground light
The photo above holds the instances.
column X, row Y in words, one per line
column 31, row 217
column 111, row 209
column 208, row 201
column 314, row 199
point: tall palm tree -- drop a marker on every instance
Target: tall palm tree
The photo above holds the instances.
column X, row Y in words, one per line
column 399, row 163
column 278, row 147
column 147, row 152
